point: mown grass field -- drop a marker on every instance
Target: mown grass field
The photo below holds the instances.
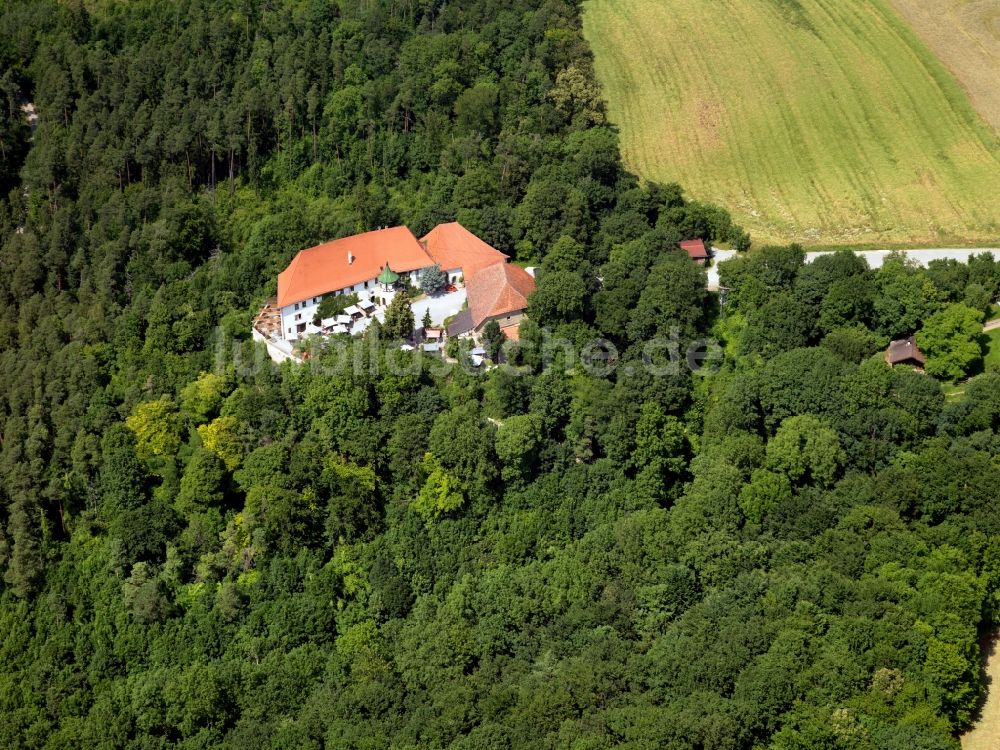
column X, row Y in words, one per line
column 827, row 122
column 965, row 35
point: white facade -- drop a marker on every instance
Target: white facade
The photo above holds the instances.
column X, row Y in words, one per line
column 296, row 319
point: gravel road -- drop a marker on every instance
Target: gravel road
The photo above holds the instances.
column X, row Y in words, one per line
column 874, row 257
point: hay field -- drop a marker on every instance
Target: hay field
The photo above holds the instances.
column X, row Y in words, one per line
column 965, row 35
column 827, row 122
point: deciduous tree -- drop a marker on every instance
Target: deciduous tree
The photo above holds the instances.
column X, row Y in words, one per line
column 950, row 341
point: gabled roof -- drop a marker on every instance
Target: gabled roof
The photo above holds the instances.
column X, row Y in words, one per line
column 453, row 246
column 349, row 261
column 497, row 290
column 695, row 249
column 904, row 350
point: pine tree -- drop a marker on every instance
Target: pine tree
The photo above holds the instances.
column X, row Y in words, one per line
column 399, row 321
column 432, row 280
column 24, row 570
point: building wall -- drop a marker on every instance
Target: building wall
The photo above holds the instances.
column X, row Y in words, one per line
column 292, row 316
column 512, row 318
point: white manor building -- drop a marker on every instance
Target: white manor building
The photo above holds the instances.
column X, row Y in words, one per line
column 344, row 266
column 367, row 264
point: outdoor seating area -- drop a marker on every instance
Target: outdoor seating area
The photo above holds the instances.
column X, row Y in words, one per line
column 354, row 319
column 268, row 320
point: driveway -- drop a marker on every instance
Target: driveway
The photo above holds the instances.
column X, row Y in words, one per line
column 441, row 307
column 718, row 256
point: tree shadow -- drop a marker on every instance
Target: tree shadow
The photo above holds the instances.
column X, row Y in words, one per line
column 979, row 367
column 989, row 643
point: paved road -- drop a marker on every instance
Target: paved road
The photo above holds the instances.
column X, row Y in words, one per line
column 875, row 258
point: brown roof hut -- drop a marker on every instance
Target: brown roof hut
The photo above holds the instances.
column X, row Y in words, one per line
column 905, row 352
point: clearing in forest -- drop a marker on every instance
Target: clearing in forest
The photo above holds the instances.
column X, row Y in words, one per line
column 827, row 122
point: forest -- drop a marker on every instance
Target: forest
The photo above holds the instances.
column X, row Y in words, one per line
column 796, row 548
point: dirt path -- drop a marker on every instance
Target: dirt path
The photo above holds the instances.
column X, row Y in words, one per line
column 985, row 734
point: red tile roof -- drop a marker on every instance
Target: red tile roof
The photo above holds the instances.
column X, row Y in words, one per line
column 498, row 290
column 695, row 249
column 453, row 246
column 326, row 268
column 513, row 333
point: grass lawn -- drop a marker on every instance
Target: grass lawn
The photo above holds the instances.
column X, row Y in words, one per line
column 826, row 122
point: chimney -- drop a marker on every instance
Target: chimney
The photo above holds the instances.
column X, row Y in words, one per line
column 350, row 258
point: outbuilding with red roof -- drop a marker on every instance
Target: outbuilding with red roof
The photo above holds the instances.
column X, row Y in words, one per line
column 696, row 250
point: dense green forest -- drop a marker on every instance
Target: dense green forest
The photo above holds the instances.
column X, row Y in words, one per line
column 795, row 548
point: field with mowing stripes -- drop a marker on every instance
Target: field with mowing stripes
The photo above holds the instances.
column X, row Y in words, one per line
column 965, row 35
column 827, row 122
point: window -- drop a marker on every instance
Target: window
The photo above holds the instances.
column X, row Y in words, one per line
column 296, row 305
column 366, row 285
column 289, row 330
column 298, row 316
